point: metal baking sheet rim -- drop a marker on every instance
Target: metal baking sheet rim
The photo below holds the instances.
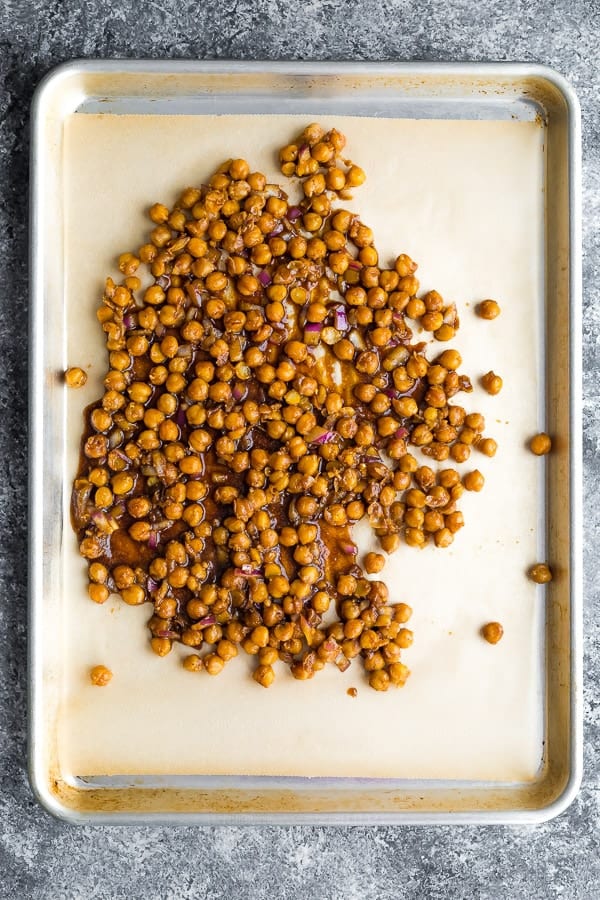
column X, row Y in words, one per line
column 47, row 790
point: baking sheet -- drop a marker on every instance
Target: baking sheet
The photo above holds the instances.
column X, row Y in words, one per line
column 465, row 199
column 466, row 195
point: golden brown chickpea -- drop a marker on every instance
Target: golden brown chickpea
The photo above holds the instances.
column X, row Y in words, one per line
column 213, row 664
column 474, row 481
column 492, row 383
column 492, row 632
column 75, row 377
column 100, row 676
column 541, row 573
column 193, row 663
column 460, row 452
column 454, row 521
column 379, row 680
column 414, row 537
column 443, row 538
column 487, row 446
column 488, row 309
column 374, row 562
column 98, row 592
column 264, row 675
column 540, row 444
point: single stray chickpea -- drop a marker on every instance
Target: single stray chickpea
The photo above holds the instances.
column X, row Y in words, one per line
column 492, row 383
column 75, row 377
column 488, row 309
column 541, row 573
column 100, row 676
column 492, row 632
column 540, row 444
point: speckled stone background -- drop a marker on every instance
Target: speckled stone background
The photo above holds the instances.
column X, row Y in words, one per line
column 42, row 858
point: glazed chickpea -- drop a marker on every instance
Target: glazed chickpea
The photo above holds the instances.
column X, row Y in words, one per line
column 540, row 444
column 460, row 452
column 193, row 663
column 492, row 632
column 98, row 592
column 344, row 349
column 487, row 446
column 488, row 309
column 443, row 538
column 474, row 481
column 492, row 383
column 414, row 537
column 450, row 359
column 133, row 595
column 540, row 573
column 264, row 675
column 346, row 585
column 454, row 521
column 100, row 676
column 335, row 179
column 122, row 483
column 379, row 680
column 374, row 562
column 75, row 377
column 213, row 664
column 296, row 350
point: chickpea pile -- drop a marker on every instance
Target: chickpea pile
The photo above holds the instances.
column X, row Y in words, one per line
column 265, row 392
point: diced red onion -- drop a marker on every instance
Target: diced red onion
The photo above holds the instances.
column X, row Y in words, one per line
column 312, row 333
column 163, row 281
column 129, row 321
column 206, row 621
column 103, row 522
column 354, row 264
column 277, row 230
column 264, row 278
column 340, row 319
column 307, row 630
column 350, row 549
column 238, row 391
column 392, row 393
column 180, row 418
column 247, row 571
column 153, row 540
column 324, row 438
column 167, row 634
column 115, row 438
column 152, row 585
column 401, row 432
column 160, row 330
column 342, row 663
column 293, row 213
column 81, row 501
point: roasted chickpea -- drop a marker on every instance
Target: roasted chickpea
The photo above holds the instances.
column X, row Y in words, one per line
column 488, row 309
column 474, row 481
column 540, row 444
column 492, row 632
column 492, row 383
column 541, row 573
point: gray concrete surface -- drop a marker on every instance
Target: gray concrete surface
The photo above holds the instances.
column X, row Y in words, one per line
column 42, row 858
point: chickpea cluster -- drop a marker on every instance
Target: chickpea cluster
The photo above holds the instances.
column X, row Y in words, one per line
column 266, row 391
